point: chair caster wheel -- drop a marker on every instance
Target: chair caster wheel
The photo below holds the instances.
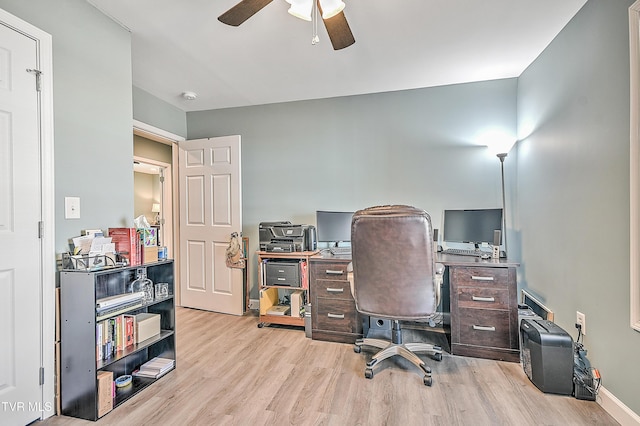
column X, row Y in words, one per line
column 260, row 325
column 357, row 348
column 438, row 356
column 368, row 373
column 428, row 380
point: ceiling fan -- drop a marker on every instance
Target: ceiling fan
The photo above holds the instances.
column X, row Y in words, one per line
column 332, row 16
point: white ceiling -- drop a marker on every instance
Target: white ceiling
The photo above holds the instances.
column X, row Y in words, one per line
column 180, row 46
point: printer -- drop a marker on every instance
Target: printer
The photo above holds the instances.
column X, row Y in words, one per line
column 285, row 237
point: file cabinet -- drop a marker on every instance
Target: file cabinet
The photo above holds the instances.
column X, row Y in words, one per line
column 333, row 310
column 484, row 312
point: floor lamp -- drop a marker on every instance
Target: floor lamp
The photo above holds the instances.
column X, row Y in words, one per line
column 499, row 143
column 501, row 156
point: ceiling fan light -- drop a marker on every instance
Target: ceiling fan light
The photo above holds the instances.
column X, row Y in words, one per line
column 301, row 9
column 331, row 8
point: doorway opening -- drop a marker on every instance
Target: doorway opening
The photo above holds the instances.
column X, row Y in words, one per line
column 153, row 198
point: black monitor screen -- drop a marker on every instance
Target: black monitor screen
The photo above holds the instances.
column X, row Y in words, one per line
column 333, row 227
column 471, row 226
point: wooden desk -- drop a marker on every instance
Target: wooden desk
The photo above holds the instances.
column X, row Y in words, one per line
column 483, row 304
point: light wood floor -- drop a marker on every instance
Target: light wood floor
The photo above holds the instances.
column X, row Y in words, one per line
column 230, row 372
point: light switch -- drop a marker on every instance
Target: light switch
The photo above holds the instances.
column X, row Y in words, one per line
column 72, row 207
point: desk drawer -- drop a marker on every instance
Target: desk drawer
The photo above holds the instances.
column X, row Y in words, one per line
column 483, row 297
column 484, row 328
column 332, row 289
column 335, row 315
column 329, row 270
column 478, row 276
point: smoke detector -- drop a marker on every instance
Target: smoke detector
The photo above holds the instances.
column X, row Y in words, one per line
column 189, row 95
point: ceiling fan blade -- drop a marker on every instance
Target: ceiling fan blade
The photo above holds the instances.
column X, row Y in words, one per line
column 242, row 11
column 339, row 31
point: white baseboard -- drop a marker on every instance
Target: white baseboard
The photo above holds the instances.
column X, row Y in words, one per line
column 254, row 304
column 612, row 405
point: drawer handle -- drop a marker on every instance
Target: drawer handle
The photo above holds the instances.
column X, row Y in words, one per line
column 484, row 328
column 281, row 270
column 337, row 316
column 333, row 272
column 335, row 290
column 476, row 278
column 281, row 279
column 483, row 299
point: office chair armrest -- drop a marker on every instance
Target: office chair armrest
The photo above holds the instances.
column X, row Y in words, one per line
column 438, row 279
column 350, row 279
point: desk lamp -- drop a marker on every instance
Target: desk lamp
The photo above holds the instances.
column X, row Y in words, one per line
column 155, row 208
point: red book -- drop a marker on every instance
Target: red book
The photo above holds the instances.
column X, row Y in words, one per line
column 129, row 330
column 127, row 243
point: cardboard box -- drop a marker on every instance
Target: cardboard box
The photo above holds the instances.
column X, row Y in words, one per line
column 148, row 237
column 297, row 303
column 105, row 392
column 268, row 298
column 56, row 392
column 57, row 338
column 150, row 254
column 147, row 326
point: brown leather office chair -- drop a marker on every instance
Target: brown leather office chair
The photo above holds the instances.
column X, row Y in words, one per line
column 394, row 277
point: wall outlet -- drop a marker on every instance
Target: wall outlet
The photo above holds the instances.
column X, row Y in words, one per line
column 582, row 320
column 254, row 304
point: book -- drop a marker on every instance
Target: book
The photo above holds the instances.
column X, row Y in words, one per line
column 155, row 367
column 129, row 326
column 119, row 334
column 99, row 341
column 128, row 244
column 278, row 310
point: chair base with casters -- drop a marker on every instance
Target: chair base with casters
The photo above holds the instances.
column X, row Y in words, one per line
column 396, row 347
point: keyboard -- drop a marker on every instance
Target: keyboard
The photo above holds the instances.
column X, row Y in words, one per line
column 340, row 250
column 462, row 252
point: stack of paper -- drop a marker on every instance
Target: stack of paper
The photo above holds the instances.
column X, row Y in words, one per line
column 155, row 367
column 279, row 310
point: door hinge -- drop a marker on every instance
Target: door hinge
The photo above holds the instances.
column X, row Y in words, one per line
column 162, row 179
column 41, row 229
column 38, row 74
column 41, row 375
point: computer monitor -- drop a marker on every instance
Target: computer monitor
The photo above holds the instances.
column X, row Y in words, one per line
column 474, row 226
column 333, row 227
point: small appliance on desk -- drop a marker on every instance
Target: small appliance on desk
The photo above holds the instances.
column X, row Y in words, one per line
column 284, row 237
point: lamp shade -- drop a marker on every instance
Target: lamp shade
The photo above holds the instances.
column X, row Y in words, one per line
column 155, row 208
column 331, row 8
column 301, row 8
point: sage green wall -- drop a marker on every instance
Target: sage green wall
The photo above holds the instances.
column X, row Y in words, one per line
column 573, row 187
column 151, row 150
column 92, row 112
column 414, row 147
column 156, row 112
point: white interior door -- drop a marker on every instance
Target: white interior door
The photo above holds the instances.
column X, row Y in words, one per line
column 20, row 244
column 210, row 210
